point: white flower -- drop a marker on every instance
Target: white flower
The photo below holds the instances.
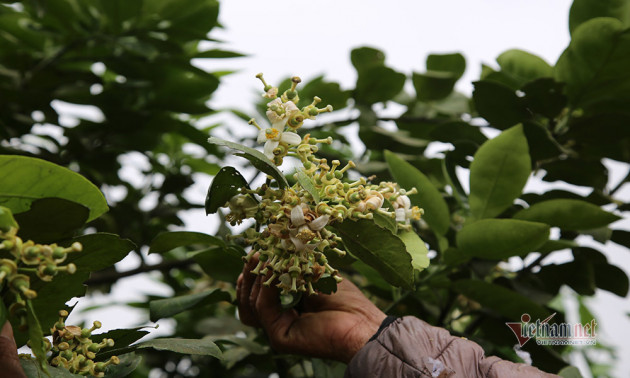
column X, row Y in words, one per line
column 279, row 113
column 271, row 93
column 272, row 138
column 302, row 231
column 404, row 211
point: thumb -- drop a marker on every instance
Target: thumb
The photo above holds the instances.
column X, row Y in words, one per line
column 9, row 361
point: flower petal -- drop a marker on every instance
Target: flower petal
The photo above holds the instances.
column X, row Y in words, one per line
column 270, row 145
column 401, row 216
column 299, row 246
column 297, row 216
column 290, row 138
column 319, row 223
column 261, row 136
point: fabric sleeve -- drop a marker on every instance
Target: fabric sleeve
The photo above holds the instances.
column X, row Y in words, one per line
column 409, row 347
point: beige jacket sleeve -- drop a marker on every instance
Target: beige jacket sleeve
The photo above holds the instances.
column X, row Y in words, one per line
column 409, row 347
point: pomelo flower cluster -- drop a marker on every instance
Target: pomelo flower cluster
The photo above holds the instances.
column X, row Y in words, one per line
column 298, row 222
column 28, row 260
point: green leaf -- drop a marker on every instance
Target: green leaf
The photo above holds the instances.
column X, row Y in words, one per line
column 35, row 335
column 433, row 85
column 594, row 66
column 33, row 369
column 436, row 211
column 165, row 308
column 498, row 173
column 257, row 158
column 611, row 278
column 225, row 185
column 523, row 66
column 386, row 222
column 455, row 64
column 216, row 53
column 416, row 248
column 545, row 96
column 500, row 299
column 501, row 238
column 122, row 338
column 584, row 10
column 568, row 214
column 378, row 84
column 167, row 241
column 570, row 371
column 364, row 58
column 577, row 171
column 498, row 104
column 326, row 285
column 224, row 264
column 307, row 183
column 25, row 179
column 378, row 248
column 6, row 219
column 51, row 220
column 185, row 346
column 128, row 363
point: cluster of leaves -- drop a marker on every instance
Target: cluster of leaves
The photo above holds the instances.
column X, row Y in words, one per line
column 557, row 122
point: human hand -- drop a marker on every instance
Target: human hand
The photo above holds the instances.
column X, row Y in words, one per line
column 9, row 361
column 331, row 326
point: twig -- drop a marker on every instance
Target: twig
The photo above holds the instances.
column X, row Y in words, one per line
column 100, row 278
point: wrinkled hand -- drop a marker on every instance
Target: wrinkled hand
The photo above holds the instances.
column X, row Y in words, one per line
column 331, row 326
column 9, row 361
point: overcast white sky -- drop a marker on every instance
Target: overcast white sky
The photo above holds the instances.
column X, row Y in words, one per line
column 307, row 38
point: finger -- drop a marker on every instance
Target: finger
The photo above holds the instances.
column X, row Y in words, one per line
column 247, row 279
column 276, row 321
column 9, row 361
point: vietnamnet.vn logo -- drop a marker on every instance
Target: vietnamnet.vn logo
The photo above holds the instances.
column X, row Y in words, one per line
column 546, row 333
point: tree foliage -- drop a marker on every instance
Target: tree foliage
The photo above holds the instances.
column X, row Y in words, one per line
column 130, row 61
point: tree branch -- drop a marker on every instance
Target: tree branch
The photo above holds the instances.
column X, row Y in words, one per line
column 108, row 277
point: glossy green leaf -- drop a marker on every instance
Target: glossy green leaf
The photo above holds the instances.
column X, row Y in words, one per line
column 7, row 221
column 500, row 299
column 225, row 185
column 594, row 66
column 498, row 173
column 25, row 179
column 416, row 248
column 436, row 211
column 223, row 264
column 51, row 220
column 523, row 66
column 326, row 285
column 501, row 238
column 165, row 308
column 378, row 248
column 454, row 63
column 584, row 10
column 498, row 104
column 307, row 183
column 330, row 93
column 378, row 84
column 185, row 346
column 621, row 237
column 168, row 241
column 568, row 214
column 257, row 158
